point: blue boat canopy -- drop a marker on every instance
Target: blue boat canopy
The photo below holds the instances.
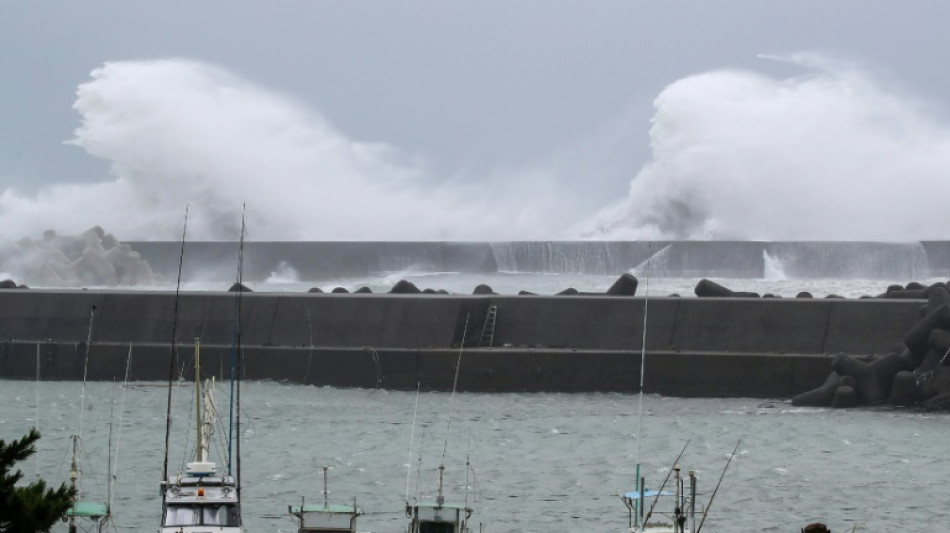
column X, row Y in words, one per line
column 646, row 494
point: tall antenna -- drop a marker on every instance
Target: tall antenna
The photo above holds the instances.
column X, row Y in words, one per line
column 173, row 357
column 115, row 463
column 237, row 358
column 643, row 359
column 198, row 419
column 85, row 369
column 36, row 400
column 109, row 479
column 412, row 434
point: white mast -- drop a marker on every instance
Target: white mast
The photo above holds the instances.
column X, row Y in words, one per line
column 204, row 422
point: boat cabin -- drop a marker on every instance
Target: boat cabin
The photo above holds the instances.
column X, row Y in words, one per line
column 95, row 512
column 438, row 518
column 201, row 501
column 326, row 518
column 680, row 518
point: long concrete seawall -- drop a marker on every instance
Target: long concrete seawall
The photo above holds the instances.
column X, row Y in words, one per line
column 770, row 348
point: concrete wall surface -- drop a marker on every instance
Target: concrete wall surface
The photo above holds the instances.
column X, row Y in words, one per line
column 697, row 346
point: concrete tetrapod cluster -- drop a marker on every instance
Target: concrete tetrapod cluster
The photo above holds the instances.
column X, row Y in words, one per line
column 914, row 372
column 93, row 257
column 626, row 285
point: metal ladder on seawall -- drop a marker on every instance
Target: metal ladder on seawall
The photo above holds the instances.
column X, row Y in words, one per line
column 488, row 330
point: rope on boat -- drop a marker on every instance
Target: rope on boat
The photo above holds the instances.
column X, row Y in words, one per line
column 172, row 358
column 412, row 434
column 455, row 382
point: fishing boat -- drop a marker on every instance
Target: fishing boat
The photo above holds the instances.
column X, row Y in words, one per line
column 438, row 516
column 84, row 515
column 326, row 518
column 681, row 518
column 678, row 515
column 202, row 499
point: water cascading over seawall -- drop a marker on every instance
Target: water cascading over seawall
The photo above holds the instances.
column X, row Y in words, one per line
column 687, row 259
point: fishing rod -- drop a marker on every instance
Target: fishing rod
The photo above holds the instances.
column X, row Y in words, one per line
column 455, row 382
column 708, row 505
column 173, row 357
column 668, row 474
column 76, row 467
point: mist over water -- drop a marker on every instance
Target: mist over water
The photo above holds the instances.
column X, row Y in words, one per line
column 830, row 155
column 833, row 154
column 181, row 132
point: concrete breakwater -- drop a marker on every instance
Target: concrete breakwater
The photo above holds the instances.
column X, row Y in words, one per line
column 769, row 348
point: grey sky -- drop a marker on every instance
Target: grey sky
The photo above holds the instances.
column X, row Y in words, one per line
column 472, row 84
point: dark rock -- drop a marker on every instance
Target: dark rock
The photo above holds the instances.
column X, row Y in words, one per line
column 911, row 360
column 821, row 396
column 917, row 338
column 931, row 385
column 938, row 296
column 404, row 287
column 363, row 290
column 570, row 291
column 315, row 290
column 844, row 397
column 930, row 361
column 706, row 288
column 804, row 294
column 525, row 293
column 428, row 291
column 872, row 380
column 913, row 286
column 903, row 388
column 908, row 294
column 7, row 284
column 626, row 285
column 238, row 287
column 339, row 290
column 441, row 291
column 483, row 289
column 939, row 340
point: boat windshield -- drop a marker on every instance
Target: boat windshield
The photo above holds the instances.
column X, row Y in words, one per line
column 436, row 527
column 208, row 515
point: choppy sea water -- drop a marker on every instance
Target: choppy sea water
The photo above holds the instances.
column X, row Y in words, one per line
column 540, row 462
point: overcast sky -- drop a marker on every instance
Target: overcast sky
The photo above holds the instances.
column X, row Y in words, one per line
column 462, row 85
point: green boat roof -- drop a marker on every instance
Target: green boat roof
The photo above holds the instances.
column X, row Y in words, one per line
column 446, row 505
column 88, row 510
column 327, row 509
